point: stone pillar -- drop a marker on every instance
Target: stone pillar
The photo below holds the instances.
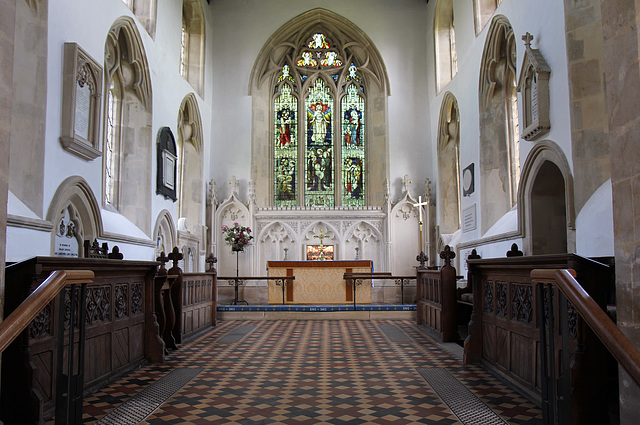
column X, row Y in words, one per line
column 622, row 80
column 7, row 29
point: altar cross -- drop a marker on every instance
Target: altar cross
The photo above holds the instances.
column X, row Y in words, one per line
column 419, row 205
column 321, row 236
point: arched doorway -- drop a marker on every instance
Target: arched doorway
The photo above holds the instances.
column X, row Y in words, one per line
column 548, row 211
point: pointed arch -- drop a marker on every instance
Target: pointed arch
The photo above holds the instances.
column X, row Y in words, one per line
column 499, row 133
column 127, row 125
column 190, row 174
column 445, row 43
column 75, row 198
column 280, row 65
column 449, row 165
column 164, row 234
column 546, row 165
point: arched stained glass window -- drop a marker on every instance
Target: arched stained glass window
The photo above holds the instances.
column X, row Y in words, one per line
column 353, row 164
column 286, row 147
column 321, row 102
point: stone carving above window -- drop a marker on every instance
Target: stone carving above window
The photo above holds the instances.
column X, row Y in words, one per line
column 534, row 87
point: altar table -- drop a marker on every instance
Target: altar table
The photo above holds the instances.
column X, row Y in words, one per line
column 319, row 282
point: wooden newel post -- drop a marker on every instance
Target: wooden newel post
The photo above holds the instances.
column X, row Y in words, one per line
column 449, row 295
column 176, row 296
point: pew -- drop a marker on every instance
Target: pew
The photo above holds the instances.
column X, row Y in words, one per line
column 504, row 332
column 436, row 299
column 121, row 330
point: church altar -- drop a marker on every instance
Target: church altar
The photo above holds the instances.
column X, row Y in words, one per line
column 319, row 282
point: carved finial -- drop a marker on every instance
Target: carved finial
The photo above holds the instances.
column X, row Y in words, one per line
column 422, row 258
column 527, row 40
column 447, row 255
column 474, row 255
column 387, row 191
column 285, row 254
column 213, row 197
column 252, row 192
column 211, row 261
column 115, row 253
column 514, row 251
column 427, row 185
column 234, row 185
column 406, row 181
column 357, row 254
column 175, row 256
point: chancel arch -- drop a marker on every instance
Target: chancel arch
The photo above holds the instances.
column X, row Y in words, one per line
column 546, row 195
column 445, row 43
column 323, row 84
column 75, row 214
column 128, row 142
column 448, row 165
column 499, row 133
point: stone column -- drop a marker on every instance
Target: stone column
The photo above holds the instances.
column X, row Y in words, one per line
column 622, row 81
column 7, row 29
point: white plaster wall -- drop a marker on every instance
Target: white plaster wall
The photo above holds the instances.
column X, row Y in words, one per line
column 594, row 224
column 76, row 21
column 544, row 19
column 396, row 28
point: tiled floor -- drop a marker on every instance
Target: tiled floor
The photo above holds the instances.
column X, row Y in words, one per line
column 311, row 372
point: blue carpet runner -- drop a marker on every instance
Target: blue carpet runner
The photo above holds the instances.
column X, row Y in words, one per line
column 318, row 308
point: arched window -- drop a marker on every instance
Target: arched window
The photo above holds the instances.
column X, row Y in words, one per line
column 448, row 165
column 499, row 131
column 319, row 138
column 192, row 45
column 445, row 40
column 482, row 12
column 145, row 11
column 127, row 124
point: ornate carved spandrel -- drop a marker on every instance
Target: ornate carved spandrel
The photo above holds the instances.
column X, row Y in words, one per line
column 98, row 305
column 522, row 303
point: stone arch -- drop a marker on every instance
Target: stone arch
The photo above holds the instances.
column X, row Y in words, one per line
column 499, row 150
column 127, row 122
column 333, row 237
column 445, row 43
column 164, row 233
column 359, row 236
column 274, row 239
column 546, row 196
column 270, row 61
column 75, row 198
column 448, row 165
column 190, row 178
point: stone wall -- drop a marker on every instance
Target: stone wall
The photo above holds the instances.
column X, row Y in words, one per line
column 622, row 80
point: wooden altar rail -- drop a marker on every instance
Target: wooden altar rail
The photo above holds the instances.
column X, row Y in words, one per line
column 400, row 280
column 436, row 302
column 575, row 398
column 504, row 331
column 280, row 281
column 199, row 302
column 121, row 332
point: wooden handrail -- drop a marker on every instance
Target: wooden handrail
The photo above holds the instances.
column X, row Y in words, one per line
column 20, row 318
column 622, row 349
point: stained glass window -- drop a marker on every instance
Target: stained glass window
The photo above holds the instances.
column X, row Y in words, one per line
column 319, row 101
column 286, row 147
column 319, row 168
column 353, row 148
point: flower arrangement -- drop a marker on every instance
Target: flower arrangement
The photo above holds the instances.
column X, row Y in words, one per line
column 237, row 236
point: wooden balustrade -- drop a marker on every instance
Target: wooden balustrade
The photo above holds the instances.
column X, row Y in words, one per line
column 198, row 303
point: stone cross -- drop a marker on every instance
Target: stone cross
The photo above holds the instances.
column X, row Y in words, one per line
column 527, row 40
column 234, row 185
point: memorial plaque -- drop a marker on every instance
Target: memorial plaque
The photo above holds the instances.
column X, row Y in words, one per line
column 469, row 218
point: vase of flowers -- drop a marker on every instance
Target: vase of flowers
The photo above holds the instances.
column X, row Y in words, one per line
column 236, row 236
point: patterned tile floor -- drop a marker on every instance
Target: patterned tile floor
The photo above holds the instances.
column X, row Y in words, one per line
column 311, row 372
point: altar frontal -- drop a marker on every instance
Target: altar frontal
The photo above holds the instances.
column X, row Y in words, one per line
column 319, row 282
